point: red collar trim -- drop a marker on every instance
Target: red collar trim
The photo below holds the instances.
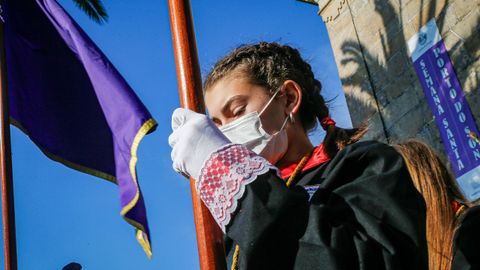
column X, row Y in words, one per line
column 318, row 157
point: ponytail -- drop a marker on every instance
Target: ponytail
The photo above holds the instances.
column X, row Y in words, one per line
column 338, row 138
column 433, row 180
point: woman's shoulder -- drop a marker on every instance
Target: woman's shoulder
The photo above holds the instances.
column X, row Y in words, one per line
column 370, row 163
column 368, row 146
column 361, row 158
column 366, row 150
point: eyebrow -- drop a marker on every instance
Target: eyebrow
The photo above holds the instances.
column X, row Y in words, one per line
column 230, row 101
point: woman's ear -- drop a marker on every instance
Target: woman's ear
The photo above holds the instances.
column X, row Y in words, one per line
column 293, row 94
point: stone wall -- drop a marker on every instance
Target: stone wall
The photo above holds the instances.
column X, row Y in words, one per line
column 369, row 41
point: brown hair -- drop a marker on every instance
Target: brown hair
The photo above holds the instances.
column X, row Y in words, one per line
column 434, row 181
column 269, row 65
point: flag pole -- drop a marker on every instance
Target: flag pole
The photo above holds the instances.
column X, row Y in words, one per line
column 209, row 235
column 8, row 210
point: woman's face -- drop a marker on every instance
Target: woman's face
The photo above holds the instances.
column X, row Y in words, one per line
column 233, row 96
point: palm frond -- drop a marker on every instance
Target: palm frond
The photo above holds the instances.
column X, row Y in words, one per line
column 94, row 9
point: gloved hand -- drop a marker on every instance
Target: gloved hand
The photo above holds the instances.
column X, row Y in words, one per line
column 193, row 139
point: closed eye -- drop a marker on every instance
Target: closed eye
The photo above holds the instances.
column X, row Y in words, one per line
column 216, row 121
column 239, row 112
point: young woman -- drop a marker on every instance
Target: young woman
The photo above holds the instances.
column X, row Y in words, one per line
column 282, row 202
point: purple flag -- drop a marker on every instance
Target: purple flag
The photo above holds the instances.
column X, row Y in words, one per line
column 449, row 107
column 72, row 102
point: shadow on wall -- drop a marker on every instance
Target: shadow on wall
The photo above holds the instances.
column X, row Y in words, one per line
column 380, row 75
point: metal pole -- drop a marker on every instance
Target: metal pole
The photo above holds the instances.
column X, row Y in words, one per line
column 8, row 210
column 209, row 235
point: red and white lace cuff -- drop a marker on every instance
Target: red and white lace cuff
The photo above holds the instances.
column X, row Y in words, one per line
column 224, row 176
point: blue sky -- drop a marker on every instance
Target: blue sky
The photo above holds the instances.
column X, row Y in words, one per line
column 64, row 215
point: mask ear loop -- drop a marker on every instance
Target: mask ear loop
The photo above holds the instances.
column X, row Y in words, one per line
column 270, row 101
column 283, row 125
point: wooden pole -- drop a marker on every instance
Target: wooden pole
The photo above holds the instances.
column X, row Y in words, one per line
column 209, row 236
column 8, row 211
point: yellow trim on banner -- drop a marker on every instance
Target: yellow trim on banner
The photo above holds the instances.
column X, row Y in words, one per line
column 143, row 240
column 146, row 127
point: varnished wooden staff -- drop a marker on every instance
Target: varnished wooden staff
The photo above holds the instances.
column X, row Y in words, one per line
column 209, row 236
column 8, row 211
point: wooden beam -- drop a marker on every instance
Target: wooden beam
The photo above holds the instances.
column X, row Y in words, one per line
column 8, row 210
column 209, row 236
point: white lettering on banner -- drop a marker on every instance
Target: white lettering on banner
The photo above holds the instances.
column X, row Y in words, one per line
column 440, row 62
column 449, row 84
column 443, row 69
column 453, row 144
column 437, row 52
column 444, row 72
column 453, row 93
column 433, row 91
column 461, row 115
column 458, row 106
column 446, row 78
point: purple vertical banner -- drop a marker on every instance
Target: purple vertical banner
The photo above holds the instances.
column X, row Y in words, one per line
column 450, row 109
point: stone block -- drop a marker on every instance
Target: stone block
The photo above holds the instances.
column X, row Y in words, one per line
column 369, row 22
column 467, row 25
column 397, row 64
column 470, row 81
column 395, row 85
column 400, row 106
column 403, row 3
column 411, row 123
column 465, row 7
column 473, row 99
column 340, row 24
column 395, row 91
column 451, row 40
column 397, row 43
column 411, row 9
column 409, row 29
column 418, row 90
column 360, row 102
column 449, row 19
column 334, row 9
column 425, row 136
column 357, row 6
column 460, row 58
column 375, row 129
column 382, row 98
column 430, row 9
column 430, row 135
column 472, row 44
column 390, row 13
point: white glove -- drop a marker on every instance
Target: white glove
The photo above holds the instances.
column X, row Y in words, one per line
column 193, row 139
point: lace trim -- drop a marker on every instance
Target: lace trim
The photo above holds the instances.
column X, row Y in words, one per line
column 223, row 178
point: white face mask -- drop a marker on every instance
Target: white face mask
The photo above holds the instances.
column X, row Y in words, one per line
column 248, row 130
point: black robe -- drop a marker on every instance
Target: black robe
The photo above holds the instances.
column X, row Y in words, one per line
column 365, row 213
column 466, row 255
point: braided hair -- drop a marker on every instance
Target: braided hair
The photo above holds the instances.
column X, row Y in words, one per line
column 269, row 65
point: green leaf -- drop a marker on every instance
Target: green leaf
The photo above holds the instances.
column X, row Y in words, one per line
column 94, row 9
